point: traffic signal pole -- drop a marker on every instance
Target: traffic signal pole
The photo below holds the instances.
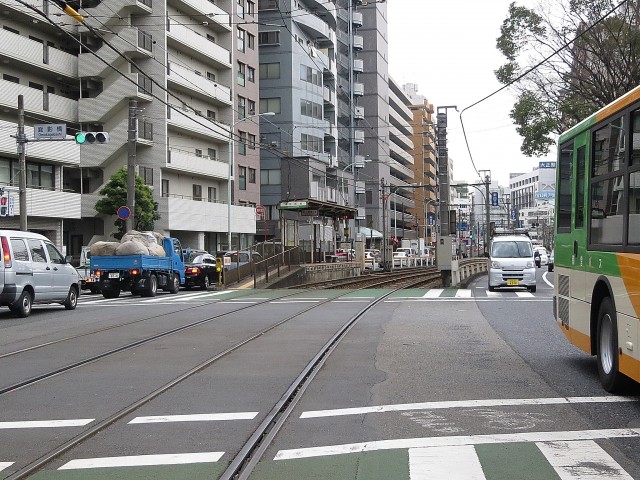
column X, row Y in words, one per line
column 22, row 162
column 131, row 164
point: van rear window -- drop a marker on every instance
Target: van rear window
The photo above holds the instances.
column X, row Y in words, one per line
column 19, row 250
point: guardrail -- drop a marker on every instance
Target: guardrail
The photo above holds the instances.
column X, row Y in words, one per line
column 469, row 268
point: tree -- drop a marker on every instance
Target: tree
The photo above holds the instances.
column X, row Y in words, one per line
column 597, row 68
column 115, row 196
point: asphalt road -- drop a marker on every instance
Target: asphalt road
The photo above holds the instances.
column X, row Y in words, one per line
column 429, row 384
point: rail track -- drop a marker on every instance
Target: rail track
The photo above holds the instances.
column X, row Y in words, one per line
column 257, row 443
column 397, row 279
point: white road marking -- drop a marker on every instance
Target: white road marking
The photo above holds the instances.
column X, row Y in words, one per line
column 143, row 460
column 46, row 423
column 433, row 293
column 544, row 277
column 462, row 293
column 351, row 301
column 524, row 294
column 91, row 302
column 4, row 465
column 229, row 302
column 204, row 417
column 295, row 301
column 493, row 294
column 445, row 463
column 184, row 297
column 406, row 443
column 403, row 407
column 584, row 460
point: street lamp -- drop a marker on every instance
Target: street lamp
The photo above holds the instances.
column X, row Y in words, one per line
column 231, row 151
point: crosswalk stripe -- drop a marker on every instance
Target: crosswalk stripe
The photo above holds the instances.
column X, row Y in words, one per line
column 143, row 460
column 46, row 423
column 493, row 294
column 433, row 293
column 407, row 443
column 204, row 417
column 4, row 465
column 445, row 463
column 462, row 293
column 581, row 460
column 524, row 294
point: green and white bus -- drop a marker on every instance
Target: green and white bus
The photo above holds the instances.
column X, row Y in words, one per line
column 597, row 239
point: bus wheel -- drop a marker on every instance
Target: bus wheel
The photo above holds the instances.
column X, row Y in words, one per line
column 608, row 362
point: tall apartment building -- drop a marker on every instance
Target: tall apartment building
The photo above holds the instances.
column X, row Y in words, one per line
column 187, row 84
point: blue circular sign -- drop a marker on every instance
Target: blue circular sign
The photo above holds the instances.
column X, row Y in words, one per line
column 124, row 213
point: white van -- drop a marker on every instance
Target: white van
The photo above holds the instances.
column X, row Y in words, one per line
column 32, row 270
column 511, row 262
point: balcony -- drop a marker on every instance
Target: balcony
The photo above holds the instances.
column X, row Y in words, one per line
column 17, row 48
column 18, row 12
column 188, row 163
column 184, row 213
column 358, row 65
column 115, row 10
column 358, row 113
column 114, row 96
column 358, row 89
column 358, row 136
column 315, row 27
column 400, row 138
column 199, row 86
column 325, row 9
column 64, row 153
column 357, row 19
column 130, row 41
column 48, row 203
column 36, row 102
column 400, row 154
column 187, row 122
column 358, row 42
column 198, row 45
column 219, row 20
column 402, row 109
column 400, row 170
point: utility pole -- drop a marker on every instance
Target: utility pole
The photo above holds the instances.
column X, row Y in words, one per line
column 487, row 183
column 384, row 223
column 131, row 163
column 22, row 161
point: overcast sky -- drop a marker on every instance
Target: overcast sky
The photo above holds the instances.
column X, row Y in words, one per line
column 448, row 48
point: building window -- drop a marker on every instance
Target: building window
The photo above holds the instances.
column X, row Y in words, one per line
column 270, row 105
column 311, row 143
column 311, row 75
column 145, row 41
column 242, row 178
column 211, row 76
column 241, row 8
column 212, row 194
column 251, row 8
column 165, row 188
column 197, row 192
column 241, row 37
column 213, row 153
column 198, row 152
column 269, row 38
column 269, row 71
column 39, row 175
column 251, row 41
column 270, row 177
column 311, row 109
column 10, row 78
column 252, row 175
column 252, row 107
column 242, row 144
column 241, row 73
column 211, row 38
column 242, row 107
column 252, row 141
column 12, row 30
column 211, row 114
column 251, row 74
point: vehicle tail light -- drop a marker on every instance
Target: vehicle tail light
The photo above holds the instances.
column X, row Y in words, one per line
column 194, row 270
column 134, row 271
column 6, row 253
column 97, row 273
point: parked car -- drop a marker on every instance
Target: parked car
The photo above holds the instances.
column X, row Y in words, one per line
column 33, row 271
column 200, row 271
column 235, row 258
column 551, row 261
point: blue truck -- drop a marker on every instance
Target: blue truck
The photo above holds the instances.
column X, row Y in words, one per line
column 140, row 274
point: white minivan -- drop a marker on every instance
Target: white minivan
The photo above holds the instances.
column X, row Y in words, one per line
column 511, row 262
column 32, row 270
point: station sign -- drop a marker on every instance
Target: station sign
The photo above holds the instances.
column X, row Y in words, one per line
column 295, row 205
column 547, row 165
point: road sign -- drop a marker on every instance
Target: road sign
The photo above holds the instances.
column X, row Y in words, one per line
column 124, row 213
column 260, row 210
column 50, row 131
column 294, row 205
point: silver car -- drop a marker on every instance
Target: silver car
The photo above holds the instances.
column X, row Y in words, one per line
column 32, row 270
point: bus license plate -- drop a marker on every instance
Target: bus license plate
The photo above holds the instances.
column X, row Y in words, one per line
column 117, row 275
column 512, row 282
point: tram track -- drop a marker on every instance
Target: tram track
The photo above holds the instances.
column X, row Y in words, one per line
column 269, row 425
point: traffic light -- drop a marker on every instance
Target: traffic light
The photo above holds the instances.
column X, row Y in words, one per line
column 83, row 138
column 4, row 205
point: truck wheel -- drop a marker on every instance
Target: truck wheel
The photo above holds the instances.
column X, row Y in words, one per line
column 22, row 307
column 175, row 284
column 111, row 292
column 151, row 286
column 72, row 299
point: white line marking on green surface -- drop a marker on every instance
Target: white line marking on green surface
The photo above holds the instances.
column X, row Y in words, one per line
column 143, row 460
column 445, row 463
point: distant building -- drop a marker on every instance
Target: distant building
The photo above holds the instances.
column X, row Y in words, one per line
column 533, row 197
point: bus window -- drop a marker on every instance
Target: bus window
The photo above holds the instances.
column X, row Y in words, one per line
column 581, row 157
column 609, row 148
column 607, row 211
column 634, row 208
column 564, row 188
column 635, row 145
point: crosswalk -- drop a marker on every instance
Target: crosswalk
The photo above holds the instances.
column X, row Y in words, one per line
column 238, row 297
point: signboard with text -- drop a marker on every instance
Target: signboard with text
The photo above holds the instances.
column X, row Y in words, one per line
column 50, row 131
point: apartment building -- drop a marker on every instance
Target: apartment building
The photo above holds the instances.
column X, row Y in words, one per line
column 533, row 195
column 184, row 75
